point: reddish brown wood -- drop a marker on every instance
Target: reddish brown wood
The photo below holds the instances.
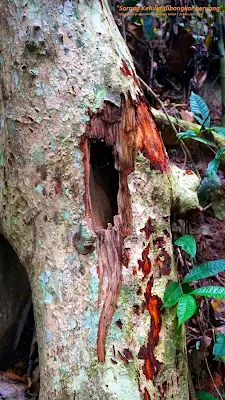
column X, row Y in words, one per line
column 153, row 305
column 127, row 129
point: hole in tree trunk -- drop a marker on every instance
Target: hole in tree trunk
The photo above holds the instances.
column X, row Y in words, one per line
column 103, row 184
column 17, row 326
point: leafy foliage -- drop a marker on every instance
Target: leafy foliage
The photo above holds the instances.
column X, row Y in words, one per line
column 213, row 166
column 205, row 396
column 219, row 346
column 183, row 295
column 205, row 270
column 188, row 244
column 189, row 134
column 200, row 109
column 217, row 292
column 209, row 185
column 186, row 308
column 172, row 294
column 218, row 129
column 210, row 188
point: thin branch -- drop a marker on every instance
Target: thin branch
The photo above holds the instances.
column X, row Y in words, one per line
column 219, row 280
column 191, row 386
column 208, row 369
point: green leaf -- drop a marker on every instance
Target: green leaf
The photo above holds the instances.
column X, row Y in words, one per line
column 199, row 107
column 188, row 244
column 205, row 270
column 189, row 134
column 213, row 166
column 205, row 396
column 208, row 185
column 186, row 308
column 203, row 140
column 172, row 294
column 219, row 346
column 217, row 292
column 218, row 129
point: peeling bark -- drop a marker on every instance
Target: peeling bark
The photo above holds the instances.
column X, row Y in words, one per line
column 98, row 258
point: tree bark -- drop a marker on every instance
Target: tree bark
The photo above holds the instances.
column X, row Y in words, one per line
column 85, row 201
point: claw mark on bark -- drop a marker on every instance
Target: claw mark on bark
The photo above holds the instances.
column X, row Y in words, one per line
column 153, row 305
column 145, row 264
column 146, row 395
column 148, row 229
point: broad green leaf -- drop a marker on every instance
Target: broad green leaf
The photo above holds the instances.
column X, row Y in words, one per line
column 218, row 129
column 200, row 120
column 205, row 270
column 172, row 294
column 208, row 185
column 203, row 140
column 219, row 346
column 186, row 308
column 199, row 107
column 205, row 396
column 217, row 292
column 213, row 166
column 188, row 244
column 220, row 152
column 189, row 134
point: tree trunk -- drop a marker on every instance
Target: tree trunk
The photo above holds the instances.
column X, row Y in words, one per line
column 85, row 201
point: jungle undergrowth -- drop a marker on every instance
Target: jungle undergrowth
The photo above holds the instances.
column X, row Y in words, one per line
column 185, row 295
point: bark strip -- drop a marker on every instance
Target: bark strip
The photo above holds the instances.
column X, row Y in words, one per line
column 126, row 129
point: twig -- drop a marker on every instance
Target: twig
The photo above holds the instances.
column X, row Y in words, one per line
column 219, row 280
column 207, row 366
column 213, row 83
column 191, row 386
column 183, row 145
column 180, row 258
column 153, row 94
column 151, row 53
column 190, row 158
column 179, row 122
column 139, row 69
column 172, row 84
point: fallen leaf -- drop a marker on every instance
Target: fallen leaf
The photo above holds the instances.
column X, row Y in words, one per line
column 218, row 308
column 187, row 115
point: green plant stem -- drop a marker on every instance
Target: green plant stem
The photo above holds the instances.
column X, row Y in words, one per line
column 222, row 58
